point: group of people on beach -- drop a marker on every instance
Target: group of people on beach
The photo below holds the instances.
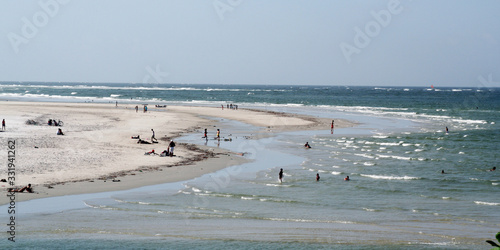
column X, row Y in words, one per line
column 168, row 152
column 230, row 106
column 205, row 134
column 141, row 141
column 54, row 122
column 145, row 109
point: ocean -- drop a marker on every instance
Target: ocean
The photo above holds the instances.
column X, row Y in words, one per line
column 397, row 197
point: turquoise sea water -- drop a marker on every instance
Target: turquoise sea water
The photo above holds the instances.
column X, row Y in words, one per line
column 397, row 197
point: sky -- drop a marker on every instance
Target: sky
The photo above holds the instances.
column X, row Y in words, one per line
column 449, row 43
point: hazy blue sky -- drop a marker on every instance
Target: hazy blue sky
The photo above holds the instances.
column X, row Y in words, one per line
column 323, row 42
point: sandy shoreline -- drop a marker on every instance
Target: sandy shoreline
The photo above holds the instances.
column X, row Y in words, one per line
column 97, row 147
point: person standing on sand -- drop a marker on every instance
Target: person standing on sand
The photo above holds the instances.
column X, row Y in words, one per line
column 218, row 134
column 332, row 123
column 3, row 124
column 171, row 145
column 280, row 176
column 153, row 138
column 205, row 134
column 136, row 108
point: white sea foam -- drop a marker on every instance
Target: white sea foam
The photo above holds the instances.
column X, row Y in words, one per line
column 366, row 156
column 102, row 87
column 277, row 185
column 395, row 157
column 385, row 177
column 305, row 220
column 487, row 203
column 388, row 144
column 469, row 121
column 202, row 194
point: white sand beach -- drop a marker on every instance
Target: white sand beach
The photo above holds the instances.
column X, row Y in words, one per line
column 96, row 152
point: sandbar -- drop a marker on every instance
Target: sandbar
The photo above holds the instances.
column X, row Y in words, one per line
column 97, row 152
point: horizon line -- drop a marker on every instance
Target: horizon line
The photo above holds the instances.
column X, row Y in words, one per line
column 255, row 84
